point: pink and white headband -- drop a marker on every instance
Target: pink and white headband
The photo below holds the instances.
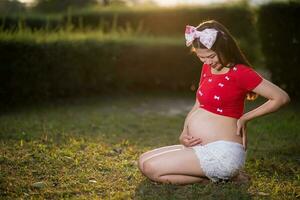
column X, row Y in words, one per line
column 207, row 37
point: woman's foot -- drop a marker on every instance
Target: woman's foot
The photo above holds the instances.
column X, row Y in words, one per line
column 205, row 181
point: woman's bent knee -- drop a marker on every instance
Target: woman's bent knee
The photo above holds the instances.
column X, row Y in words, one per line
column 150, row 170
column 142, row 158
column 140, row 164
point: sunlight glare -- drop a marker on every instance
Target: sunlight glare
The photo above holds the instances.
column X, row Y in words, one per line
column 170, row 3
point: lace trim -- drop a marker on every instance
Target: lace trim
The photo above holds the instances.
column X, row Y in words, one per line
column 220, row 163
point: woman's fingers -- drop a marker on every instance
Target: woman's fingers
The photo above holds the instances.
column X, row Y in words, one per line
column 188, row 137
column 187, row 142
column 195, row 141
column 191, row 141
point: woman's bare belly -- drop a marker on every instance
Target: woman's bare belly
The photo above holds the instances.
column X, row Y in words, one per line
column 211, row 127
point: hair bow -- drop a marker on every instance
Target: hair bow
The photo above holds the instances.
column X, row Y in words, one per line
column 207, row 37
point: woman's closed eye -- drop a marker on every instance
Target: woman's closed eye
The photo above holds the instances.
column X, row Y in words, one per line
column 212, row 56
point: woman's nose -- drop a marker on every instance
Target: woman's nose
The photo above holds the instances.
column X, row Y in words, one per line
column 208, row 61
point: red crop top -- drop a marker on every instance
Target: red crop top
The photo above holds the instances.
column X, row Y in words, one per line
column 224, row 94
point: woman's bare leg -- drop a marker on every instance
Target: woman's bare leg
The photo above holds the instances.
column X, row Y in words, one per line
column 176, row 167
column 150, row 154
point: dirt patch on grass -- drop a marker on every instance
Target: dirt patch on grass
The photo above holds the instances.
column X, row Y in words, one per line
column 165, row 106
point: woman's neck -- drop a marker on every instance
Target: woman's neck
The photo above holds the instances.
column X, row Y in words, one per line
column 223, row 69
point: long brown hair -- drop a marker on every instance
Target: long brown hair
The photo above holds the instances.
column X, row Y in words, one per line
column 226, row 48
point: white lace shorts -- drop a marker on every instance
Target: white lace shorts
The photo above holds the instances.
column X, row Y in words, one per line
column 220, row 160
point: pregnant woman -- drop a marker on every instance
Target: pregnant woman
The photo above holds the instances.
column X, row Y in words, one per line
column 214, row 139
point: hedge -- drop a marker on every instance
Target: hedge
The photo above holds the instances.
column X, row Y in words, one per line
column 31, row 70
column 279, row 31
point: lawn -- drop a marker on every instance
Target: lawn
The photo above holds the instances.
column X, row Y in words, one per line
column 87, row 148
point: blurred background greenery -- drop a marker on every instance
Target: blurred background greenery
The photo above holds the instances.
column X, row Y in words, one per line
column 129, row 58
column 68, row 48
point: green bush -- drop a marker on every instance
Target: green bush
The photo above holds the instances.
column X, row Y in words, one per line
column 239, row 19
column 159, row 22
column 32, row 22
column 61, row 5
column 77, row 60
column 39, row 70
column 42, row 70
column 279, row 31
column 11, row 6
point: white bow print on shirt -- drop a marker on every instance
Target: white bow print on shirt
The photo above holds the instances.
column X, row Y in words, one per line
column 207, row 37
column 221, row 84
column 217, row 97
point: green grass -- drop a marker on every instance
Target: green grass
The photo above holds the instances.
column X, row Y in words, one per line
column 69, row 33
column 96, row 36
column 87, row 149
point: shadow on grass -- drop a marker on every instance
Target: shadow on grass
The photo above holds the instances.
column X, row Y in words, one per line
column 148, row 189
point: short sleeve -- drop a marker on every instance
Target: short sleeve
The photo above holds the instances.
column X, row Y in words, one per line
column 248, row 78
column 203, row 73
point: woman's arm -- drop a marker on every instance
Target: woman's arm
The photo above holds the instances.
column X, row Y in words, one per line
column 277, row 98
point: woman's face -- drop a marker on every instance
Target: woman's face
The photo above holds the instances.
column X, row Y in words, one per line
column 209, row 57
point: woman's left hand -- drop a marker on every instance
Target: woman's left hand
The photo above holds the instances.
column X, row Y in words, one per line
column 241, row 130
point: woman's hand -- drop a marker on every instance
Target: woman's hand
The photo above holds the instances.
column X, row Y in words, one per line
column 189, row 141
column 241, row 130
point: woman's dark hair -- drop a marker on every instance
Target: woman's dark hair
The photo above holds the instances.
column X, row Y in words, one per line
column 225, row 47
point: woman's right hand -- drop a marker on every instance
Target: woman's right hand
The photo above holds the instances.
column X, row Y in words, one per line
column 189, row 141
